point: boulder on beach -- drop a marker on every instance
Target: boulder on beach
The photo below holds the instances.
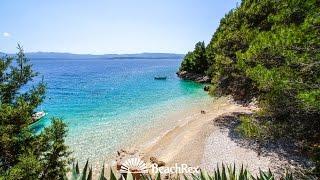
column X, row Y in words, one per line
column 154, row 160
column 125, row 154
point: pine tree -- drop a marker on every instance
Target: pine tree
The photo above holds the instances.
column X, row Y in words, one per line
column 23, row 154
column 195, row 61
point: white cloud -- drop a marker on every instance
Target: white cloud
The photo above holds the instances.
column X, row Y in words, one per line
column 6, row 34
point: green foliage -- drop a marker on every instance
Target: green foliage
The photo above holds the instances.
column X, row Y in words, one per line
column 195, row 61
column 249, row 128
column 310, row 99
column 16, row 108
column 23, row 154
column 270, row 50
column 55, row 157
column 28, row 167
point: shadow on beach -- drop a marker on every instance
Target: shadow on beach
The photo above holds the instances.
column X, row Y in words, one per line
column 287, row 154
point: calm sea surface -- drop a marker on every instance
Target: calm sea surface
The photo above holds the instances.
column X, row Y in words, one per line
column 107, row 102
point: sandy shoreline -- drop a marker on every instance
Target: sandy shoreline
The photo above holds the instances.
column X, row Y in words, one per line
column 200, row 142
column 186, row 143
column 205, row 140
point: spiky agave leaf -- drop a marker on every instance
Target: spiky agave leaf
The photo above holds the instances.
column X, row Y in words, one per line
column 217, row 174
column 84, row 172
column 77, row 168
column 234, row 170
column 204, row 175
column 112, row 176
column 129, row 176
column 265, row 176
column 146, row 177
column 102, row 173
column 224, row 173
column 246, row 174
column 185, row 177
column 288, row 176
column 243, row 173
column 194, row 177
column 90, row 174
column 75, row 172
column 158, row 176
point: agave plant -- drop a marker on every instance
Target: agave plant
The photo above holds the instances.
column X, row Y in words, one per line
column 84, row 175
column 220, row 173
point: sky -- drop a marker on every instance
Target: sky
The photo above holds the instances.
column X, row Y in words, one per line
column 109, row 26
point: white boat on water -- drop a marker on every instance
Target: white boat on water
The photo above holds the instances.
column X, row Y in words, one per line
column 38, row 115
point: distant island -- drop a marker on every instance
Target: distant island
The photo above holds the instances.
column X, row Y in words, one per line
column 57, row 55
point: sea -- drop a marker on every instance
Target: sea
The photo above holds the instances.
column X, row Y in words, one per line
column 109, row 103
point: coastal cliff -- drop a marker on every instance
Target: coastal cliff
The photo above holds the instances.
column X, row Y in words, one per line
column 200, row 78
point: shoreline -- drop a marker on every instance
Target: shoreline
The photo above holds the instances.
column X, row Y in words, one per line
column 186, row 142
column 197, row 139
column 149, row 133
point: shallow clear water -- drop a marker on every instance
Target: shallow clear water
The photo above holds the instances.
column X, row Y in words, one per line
column 107, row 102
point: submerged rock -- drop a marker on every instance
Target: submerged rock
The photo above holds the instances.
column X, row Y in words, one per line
column 206, row 88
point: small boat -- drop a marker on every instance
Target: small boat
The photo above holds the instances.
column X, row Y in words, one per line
column 160, row 78
column 37, row 116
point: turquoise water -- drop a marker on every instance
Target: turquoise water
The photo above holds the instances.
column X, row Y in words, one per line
column 108, row 102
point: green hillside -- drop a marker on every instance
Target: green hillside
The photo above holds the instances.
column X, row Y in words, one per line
column 269, row 51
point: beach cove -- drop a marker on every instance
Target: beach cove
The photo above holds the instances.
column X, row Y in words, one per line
column 109, row 103
column 118, row 105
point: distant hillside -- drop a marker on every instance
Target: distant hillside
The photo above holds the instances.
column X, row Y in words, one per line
column 54, row 55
